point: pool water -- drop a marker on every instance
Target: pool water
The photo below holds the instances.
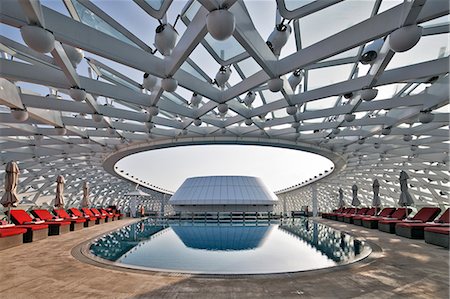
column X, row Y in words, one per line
column 231, row 248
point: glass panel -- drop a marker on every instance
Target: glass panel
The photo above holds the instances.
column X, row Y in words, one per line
column 321, row 104
column 155, row 4
column 444, row 20
column 338, row 17
column 271, row 96
column 249, row 67
column 422, row 51
column 262, row 14
column 118, row 79
column 388, row 4
column 56, row 5
column 226, row 49
column 328, row 75
column 188, row 68
column 388, row 91
column 294, row 4
column 192, row 10
column 87, row 17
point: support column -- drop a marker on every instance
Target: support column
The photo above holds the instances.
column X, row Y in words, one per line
column 314, row 199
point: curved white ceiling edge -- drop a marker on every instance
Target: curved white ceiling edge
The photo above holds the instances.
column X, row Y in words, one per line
column 111, row 160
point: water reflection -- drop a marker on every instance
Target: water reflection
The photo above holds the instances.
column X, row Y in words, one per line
column 222, row 237
column 229, row 248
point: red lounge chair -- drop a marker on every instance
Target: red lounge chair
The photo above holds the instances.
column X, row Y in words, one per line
column 89, row 220
column 349, row 211
column 437, row 235
column 416, row 230
column 57, row 226
column 424, row 215
column 361, row 211
column 328, row 215
column 357, row 219
column 10, row 235
column 116, row 213
column 104, row 212
column 386, row 213
column 36, row 228
column 76, row 223
column 99, row 214
column 88, row 212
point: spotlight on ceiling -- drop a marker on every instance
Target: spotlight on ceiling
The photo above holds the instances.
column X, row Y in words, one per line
column 407, row 137
column 153, row 110
column 38, row 38
column 426, row 117
column 77, row 93
column 149, row 126
column 405, row 38
column 196, row 99
column 220, row 24
column 278, row 38
column 275, row 84
column 19, row 114
column 149, row 81
column 295, row 78
column 169, row 84
column 368, row 94
column 371, row 51
column 249, row 98
column 291, row 110
column 223, row 108
column 248, row 121
column 197, row 122
column 349, row 117
column 75, row 55
column 386, row 131
column 165, row 38
column 222, row 76
column 61, row 131
column 97, row 117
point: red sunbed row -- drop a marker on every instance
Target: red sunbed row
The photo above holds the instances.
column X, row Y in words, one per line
column 26, row 229
column 393, row 220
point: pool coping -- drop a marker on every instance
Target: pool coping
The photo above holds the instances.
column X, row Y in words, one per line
column 82, row 253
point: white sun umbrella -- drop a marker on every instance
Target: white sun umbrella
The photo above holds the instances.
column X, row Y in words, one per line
column 355, row 199
column 406, row 199
column 59, row 198
column 376, row 201
column 85, row 201
column 341, row 202
column 9, row 198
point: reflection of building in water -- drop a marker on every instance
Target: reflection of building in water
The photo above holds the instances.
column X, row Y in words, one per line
column 222, row 237
column 116, row 244
column 335, row 245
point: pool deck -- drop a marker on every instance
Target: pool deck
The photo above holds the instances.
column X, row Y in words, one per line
column 403, row 269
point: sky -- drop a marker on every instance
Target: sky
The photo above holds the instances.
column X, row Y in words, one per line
column 278, row 167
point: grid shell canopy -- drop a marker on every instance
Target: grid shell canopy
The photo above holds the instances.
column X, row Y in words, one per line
column 223, row 190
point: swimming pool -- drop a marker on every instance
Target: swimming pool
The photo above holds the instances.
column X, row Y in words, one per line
column 229, row 248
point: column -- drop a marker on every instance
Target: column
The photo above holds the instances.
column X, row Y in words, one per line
column 314, row 199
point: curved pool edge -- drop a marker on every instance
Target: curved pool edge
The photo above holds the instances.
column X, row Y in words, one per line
column 82, row 253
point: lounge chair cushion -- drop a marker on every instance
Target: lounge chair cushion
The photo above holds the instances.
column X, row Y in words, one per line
column 20, row 216
column 11, row 231
column 34, row 226
column 427, row 214
column 445, row 230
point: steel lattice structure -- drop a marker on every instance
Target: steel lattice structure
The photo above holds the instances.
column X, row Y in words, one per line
column 323, row 112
